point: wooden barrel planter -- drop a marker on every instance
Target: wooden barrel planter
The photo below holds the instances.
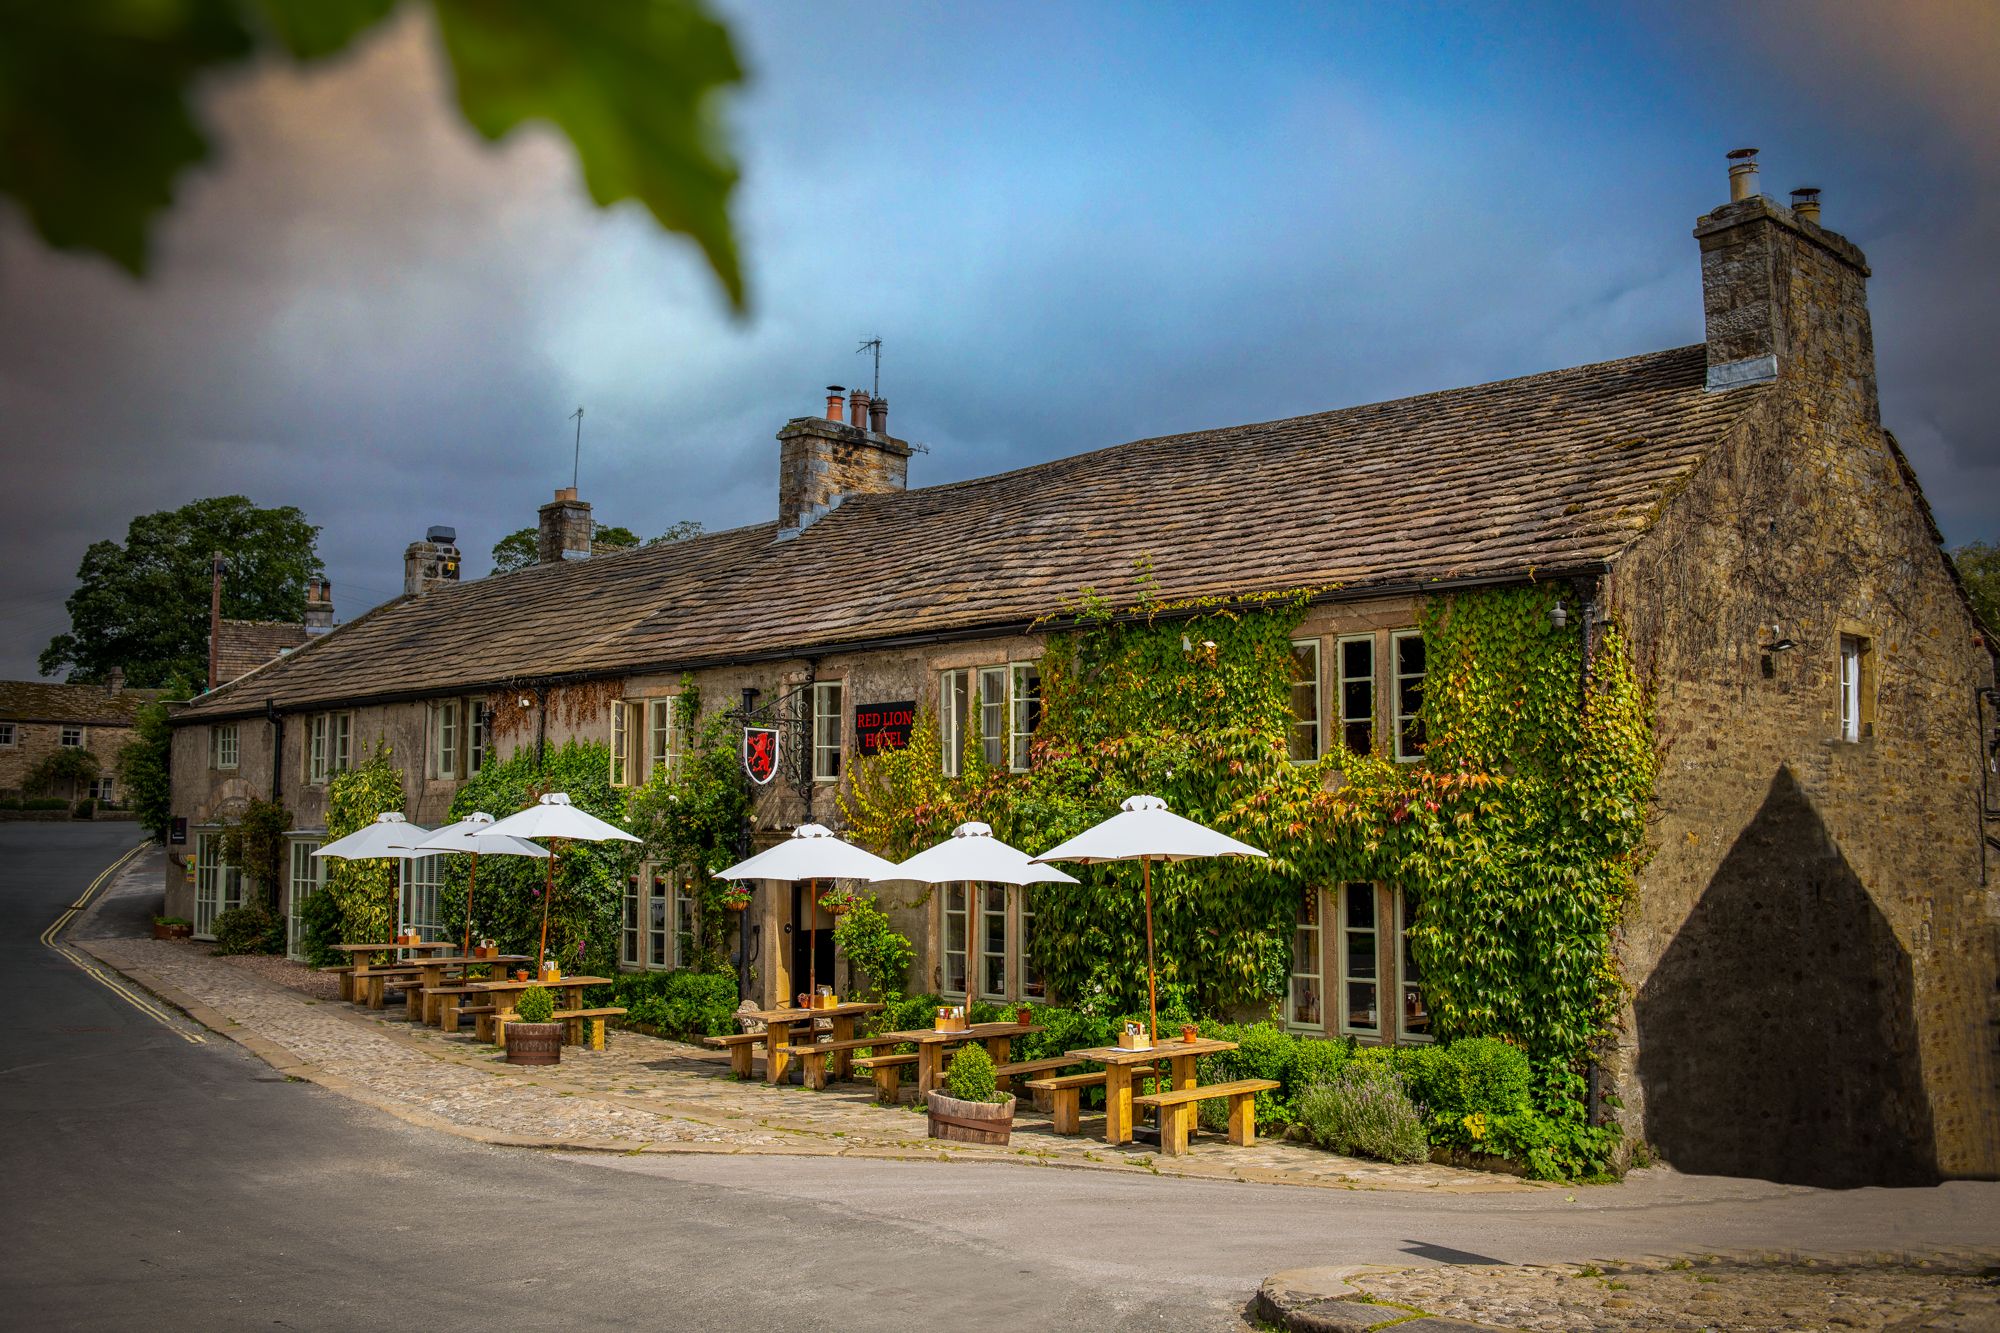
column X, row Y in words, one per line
column 970, row 1122
column 534, row 1043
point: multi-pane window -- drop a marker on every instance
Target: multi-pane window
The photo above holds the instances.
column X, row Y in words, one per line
column 687, row 919
column 1415, row 1024
column 222, row 746
column 1302, row 1001
column 101, row 789
column 658, row 921
column 1026, row 714
column 1361, row 999
column 957, row 931
column 72, row 737
column 1034, row 985
column 1304, row 742
column 621, row 756
column 218, row 887
column 630, row 903
column 304, row 882
column 1408, row 649
column 828, row 730
column 1357, row 693
column 479, row 737
column 422, row 882
column 662, row 723
column 7, row 737
column 1857, row 693
column 954, row 700
column 993, row 714
column 992, row 942
column 445, row 737
column 328, row 737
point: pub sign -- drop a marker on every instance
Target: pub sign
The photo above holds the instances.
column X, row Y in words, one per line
column 884, row 726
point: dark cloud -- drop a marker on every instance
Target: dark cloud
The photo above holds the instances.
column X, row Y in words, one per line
column 1072, row 227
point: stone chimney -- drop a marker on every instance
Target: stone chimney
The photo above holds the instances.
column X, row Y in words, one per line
column 565, row 530
column 823, row 460
column 427, row 564
column 114, row 681
column 1784, row 298
column 319, row 603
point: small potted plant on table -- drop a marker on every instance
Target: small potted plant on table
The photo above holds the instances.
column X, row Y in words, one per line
column 969, row 1109
column 532, row 1039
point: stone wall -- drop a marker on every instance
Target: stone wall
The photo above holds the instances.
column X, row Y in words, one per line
column 36, row 741
column 821, row 460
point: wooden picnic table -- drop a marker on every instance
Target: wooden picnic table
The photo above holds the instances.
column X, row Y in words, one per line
column 506, row 993
column 1120, row 1065
column 778, row 1025
column 370, row 992
column 425, row 1007
column 932, row 1044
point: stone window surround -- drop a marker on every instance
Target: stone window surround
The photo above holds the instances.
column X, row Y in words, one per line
column 1017, row 915
column 1392, row 973
column 329, row 746
column 71, row 729
column 835, row 750
column 1857, row 682
column 645, row 733
column 9, row 735
column 224, row 750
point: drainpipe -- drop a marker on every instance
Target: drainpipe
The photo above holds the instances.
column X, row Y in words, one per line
column 277, row 721
column 541, row 729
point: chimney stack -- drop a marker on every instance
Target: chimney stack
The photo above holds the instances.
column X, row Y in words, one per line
column 426, row 565
column 833, row 393
column 565, row 529
column 114, row 681
column 216, row 564
column 319, row 605
column 1805, row 204
column 1742, row 175
column 878, row 415
column 857, row 409
column 823, row 460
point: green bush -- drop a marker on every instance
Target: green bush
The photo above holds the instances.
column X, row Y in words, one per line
column 252, row 928
column 687, row 1005
column 1315, row 1060
column 1365, row 1112
column 1263, row 1050
column 319, row 930
column 970, row 1078
column 84, row 809
column 43, row 803
column 1476, row 1075
column 536, row 1005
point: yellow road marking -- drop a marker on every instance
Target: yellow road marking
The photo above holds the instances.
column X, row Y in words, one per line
column 115, row 985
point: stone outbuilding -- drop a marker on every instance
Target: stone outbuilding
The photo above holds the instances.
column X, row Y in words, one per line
column 39, row 718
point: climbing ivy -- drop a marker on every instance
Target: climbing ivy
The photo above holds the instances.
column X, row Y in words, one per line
column 365, row 891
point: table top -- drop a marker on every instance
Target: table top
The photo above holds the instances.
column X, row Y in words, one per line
column 567, row 980
column 847, row 1008
column 391, row 948
column 455, row 961
column 976, row 1032
column 1172, row 1048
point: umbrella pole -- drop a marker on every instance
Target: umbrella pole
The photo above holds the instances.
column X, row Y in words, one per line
column 471, row 878
column 548, row 892
column 1152, row 999
column 812, row 943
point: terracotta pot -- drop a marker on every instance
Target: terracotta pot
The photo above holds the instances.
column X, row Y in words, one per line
column 1190, row 1032
column 970, row 1122
column 520, row 974
column 736, row 906
column 1025, row 1015
column 804, row 1000
column 534, row 1043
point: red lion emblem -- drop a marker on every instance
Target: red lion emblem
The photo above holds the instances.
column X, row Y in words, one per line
column 760, row 754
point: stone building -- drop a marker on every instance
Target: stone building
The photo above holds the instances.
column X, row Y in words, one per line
column 1812, row 952
column 38, row 718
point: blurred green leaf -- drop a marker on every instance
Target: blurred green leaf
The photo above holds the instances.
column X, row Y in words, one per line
column 310, row 29
column 631, row 85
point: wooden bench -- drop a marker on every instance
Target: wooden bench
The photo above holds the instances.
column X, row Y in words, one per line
column 381, row 980
column 1066, row 1098
column 742, row 1046
column 574, row 1019
column 813, row 1056
column 888, row 1073
column 443, row 1005
column 1176, row 1111
column 1004, row 1075
column 345, row 972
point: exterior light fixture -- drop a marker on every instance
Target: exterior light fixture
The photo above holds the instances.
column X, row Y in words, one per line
column 1779, row 642
column 1558, row 617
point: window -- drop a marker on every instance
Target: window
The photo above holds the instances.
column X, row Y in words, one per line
column 1357, row 693
column 954, row 698
column 72, row 737
column 993, row 714
column 828, row 731
column 479, row 737
column 1034, row 985
column 645, row 735
column 628, row 924
column 222, row 746
column 1857, row 687
column 422, row 879
column 1302, row 1001
column 305, row 881
column 1361, row 1007
column 1304, row 746
column 686, row 922
column 218, row 888
column 1409, row 657
column 1026, row 714
column 7, row 734
column 621, row 759
column 101, row 790
column 992, row 942
column 956, row 933
column 1415, row 1023
column 662, row 734
column 328, row 737
column 659, row 924
column 445, row 737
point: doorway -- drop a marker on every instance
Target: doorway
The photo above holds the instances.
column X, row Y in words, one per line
column 812, row 933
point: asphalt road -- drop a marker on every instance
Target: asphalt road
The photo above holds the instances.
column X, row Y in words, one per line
column 145, row 1179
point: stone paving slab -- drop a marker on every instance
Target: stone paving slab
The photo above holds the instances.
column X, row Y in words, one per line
column 645, row 1094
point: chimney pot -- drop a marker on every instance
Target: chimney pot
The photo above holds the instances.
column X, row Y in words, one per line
column 878, row 415
column 1805, row 204
column 833, row 401
column 1742, row 174
column 857, row 409
column 319, row 605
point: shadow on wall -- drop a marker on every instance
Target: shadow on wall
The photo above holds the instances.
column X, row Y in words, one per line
column 1777, row 1036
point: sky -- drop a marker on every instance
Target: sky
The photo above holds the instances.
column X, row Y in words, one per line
column 1071, row 225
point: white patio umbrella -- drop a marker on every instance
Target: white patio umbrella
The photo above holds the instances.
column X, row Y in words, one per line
column 812, row 853
column 554, row 818
column 390, row 835
column 473, row 836
column 1146, row 831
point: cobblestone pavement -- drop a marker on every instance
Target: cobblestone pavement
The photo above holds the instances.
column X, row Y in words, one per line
column 644, row 1094
column 1941, row 1291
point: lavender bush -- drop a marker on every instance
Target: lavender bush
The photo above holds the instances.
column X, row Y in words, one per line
column 1364, row 1112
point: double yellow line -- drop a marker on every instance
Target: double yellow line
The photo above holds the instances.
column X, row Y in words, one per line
column 117, row 986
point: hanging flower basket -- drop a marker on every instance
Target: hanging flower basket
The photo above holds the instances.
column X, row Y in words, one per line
column 736, row 899
column 839, row 901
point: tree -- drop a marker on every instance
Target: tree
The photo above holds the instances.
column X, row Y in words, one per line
column 517, row 550
column 95, row 121
column 142, row 767
column 1979, row 565
column 143, row 606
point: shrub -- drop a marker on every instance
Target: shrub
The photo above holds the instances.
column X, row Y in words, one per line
column 252, row 928
column 881, row 952
column 1315, row 1061
column 1472, row 1076
column 1365, row 1112
column 319, row 928
column 536, row 1005
column 908, row 1013
column 1263, row 1050
column 970, row 1078
column 84, row 809
column 687, row 1004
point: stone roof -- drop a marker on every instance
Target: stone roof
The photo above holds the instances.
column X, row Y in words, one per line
column 1552, row 472
column 245, row 645
column 92, row 705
